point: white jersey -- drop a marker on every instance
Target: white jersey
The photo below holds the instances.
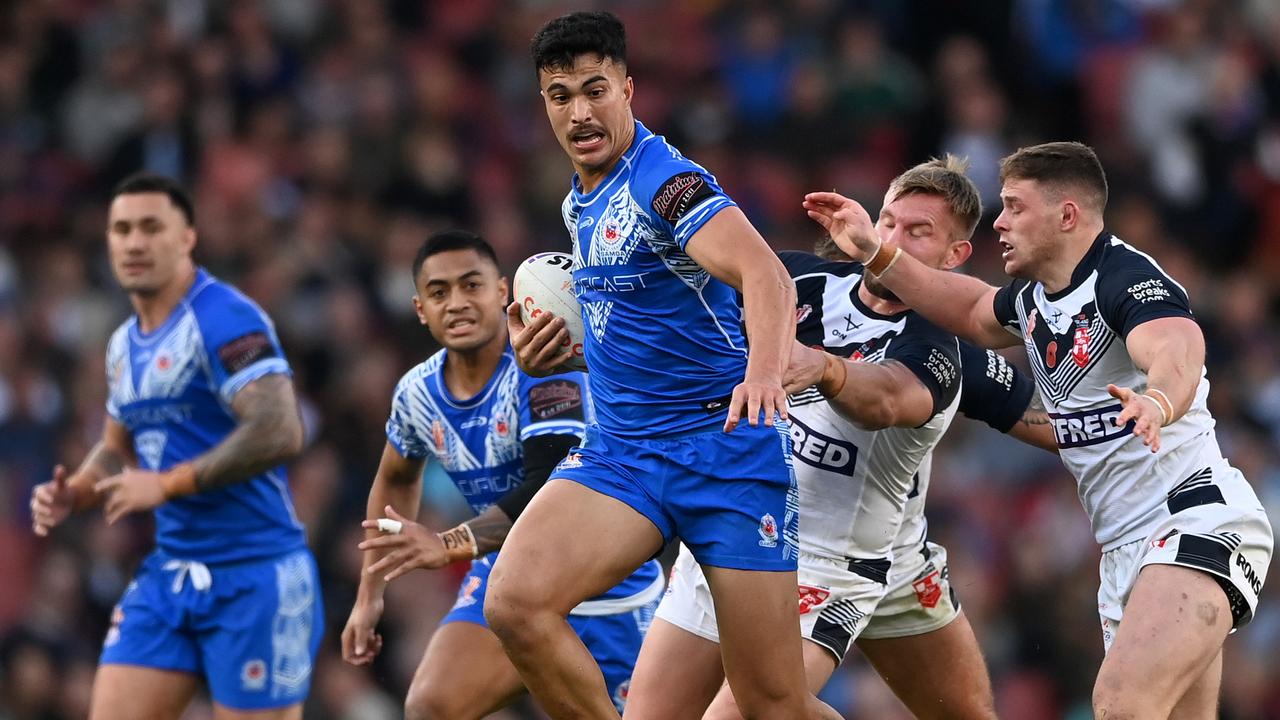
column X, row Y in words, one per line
column 854, row 483
column 1075, row 343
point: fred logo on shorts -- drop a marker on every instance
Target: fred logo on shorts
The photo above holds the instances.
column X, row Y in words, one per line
column 768, row 531
column 253, row 675
column 928, row 590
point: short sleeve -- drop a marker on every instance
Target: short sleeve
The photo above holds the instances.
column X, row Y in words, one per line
column 1005, row 306
column 240, row 341
column 934, row 358
column 677, row 194
column 405, row 427
column 993, row 391
column 1133, row 290
column 554, row 405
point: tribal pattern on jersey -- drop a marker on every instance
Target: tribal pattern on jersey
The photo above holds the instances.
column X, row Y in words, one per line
column 173, row 389
column 664, row 340
column 1075, row 342
column 478, row 441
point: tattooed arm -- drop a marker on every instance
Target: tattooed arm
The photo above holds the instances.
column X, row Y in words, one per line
column 1033, row 427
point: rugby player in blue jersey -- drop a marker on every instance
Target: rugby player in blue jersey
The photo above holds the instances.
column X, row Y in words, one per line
column 201, row 414
column 659, row 253
column 497, row 432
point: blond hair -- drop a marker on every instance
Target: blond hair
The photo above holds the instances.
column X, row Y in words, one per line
column 943, row 177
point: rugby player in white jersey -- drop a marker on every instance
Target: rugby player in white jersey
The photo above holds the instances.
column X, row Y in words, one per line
column 1119, row 361
column 866, row 415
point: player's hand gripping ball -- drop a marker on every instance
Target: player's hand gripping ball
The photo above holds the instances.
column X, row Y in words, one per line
column 544, row 283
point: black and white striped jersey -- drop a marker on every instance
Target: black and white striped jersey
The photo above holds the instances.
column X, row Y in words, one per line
column 1075, row 342
column 854, row 483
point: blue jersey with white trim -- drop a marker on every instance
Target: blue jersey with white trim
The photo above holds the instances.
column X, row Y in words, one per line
column 663, row 337
column 478, row 441
column 172, row 390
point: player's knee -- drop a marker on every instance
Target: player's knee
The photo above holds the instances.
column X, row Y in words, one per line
column 432, row 701
column 767, row 703
column 510, row 603
column 724, row 708
column 1114, row 699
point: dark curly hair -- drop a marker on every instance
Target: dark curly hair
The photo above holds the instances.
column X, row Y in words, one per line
column 557, row 43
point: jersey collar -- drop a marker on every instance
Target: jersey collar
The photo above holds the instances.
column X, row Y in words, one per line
column 642, row 136
column 1084, row 268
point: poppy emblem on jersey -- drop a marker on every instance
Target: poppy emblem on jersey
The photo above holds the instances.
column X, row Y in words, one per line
column 437, row 436
column 1051, row 354
column 467, row 593
column 803, row 312
column 163, row 363
column 768, row 531
column 1080, row 347
column 928, row 590
column 501, row 427
column 253, row 675
column 811, row 597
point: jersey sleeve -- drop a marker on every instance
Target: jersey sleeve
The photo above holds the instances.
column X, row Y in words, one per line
column 677, row 194
column 1134, row 290
column 1005, row 306
column 554, row 405
column 993, row 391
column 240, row 341
column 934, row 358
column 405, row 429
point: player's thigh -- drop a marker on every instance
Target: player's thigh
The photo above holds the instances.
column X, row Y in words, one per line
column 131, row 692
column 937, row 674
column 819, row 664
column 759, row 625
column 464, row 673
column 676, row 675
column 569, row 544
column 1201, row 699
column 289, row 712
column 1171, row 632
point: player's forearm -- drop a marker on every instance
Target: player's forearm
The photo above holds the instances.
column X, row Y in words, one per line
column 403, row 494
column 869, row 394
column 488, row 530
column 957, row 303
column 769, row 301
column 1175, row 371
column 103, row 461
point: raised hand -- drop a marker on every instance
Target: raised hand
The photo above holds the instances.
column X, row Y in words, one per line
column 413, row 547
column 51, row 502
column 1143, row 410
column 846, row 221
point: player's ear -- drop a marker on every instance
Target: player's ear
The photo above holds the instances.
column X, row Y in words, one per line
column 418, row 310
column 1070, row 216
column 504, row 290
column 629, row 89
column 189, row 239
column 957, row 254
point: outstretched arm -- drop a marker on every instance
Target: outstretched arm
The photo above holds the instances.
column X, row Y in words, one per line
column 1170, row 351
column 874, row 395
column 957, row 303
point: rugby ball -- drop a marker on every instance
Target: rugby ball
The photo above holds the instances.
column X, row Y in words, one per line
column 544, row 283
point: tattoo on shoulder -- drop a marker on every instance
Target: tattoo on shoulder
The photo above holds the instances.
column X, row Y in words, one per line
column 1035, row 414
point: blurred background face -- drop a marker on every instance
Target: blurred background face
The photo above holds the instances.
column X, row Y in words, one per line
column 149, row 242
column 461, row 299
column 590, row 110
column 1028, row 227
column 923, row 226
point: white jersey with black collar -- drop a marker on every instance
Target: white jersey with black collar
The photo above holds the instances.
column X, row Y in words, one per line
column 1075, row 342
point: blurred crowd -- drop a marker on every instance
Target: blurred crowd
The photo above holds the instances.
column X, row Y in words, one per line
column 324, row 139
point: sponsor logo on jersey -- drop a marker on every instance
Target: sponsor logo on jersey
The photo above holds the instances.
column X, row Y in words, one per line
column 1089, row 427
column 827, row 453
column 1250, row 576
column 253, row 674
column 556, row 398
column 245, row 350
column 928, row 589
column 467, row 593
column 1148, row 291
column 679, row 194
column 811, row 597
column 768, row 531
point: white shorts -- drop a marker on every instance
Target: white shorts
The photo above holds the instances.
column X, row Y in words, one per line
column 1218, row 528
column 834, row 601
column 920, row 598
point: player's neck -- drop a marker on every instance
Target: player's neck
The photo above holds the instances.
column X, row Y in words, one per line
column 154, row 308
column 1056, row 274
column 588, row 179
column 878, row 304
column 466, row 374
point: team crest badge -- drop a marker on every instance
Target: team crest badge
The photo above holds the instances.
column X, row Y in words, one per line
column 1080, row 344
column 768, row 531
column 253, row 675
column 573, row 461
column 467, row 593
column 811, row 597
column 501, row 427
column 928, row 590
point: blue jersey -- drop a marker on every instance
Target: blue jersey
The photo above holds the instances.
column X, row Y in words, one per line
column 172, row 389
column 663, row 337
column 478, row 441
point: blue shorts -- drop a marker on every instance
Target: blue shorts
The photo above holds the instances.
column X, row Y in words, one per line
column 251, row 629
column 614, row 640
column 731, row 497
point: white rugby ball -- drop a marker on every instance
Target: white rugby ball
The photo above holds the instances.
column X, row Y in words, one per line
column 544, row 283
